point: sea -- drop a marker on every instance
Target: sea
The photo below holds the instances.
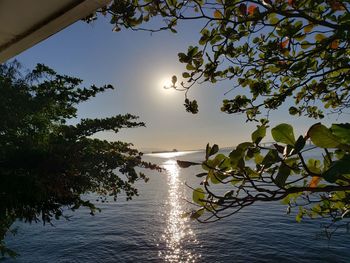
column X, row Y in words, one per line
column 151, row 228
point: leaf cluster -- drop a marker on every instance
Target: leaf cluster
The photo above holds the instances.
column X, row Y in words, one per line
column 275, row 49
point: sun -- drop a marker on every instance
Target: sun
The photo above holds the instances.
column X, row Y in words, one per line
column 165, row 82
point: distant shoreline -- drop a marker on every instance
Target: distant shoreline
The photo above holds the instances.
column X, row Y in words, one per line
column 173, row 151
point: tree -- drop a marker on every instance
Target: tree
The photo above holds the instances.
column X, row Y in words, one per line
column 47, row 165
column 282, row 52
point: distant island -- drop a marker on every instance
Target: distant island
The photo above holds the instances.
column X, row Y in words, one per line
column 173, row 151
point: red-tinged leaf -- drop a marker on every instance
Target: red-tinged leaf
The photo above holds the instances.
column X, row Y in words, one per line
column 335, row 44
column 251, row 9
column 314, row 181
column 290, row 2
column 217, row 14
column 284, row 43
column 336, row 5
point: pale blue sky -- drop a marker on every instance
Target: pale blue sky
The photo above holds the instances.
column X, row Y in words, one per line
column 136, row 63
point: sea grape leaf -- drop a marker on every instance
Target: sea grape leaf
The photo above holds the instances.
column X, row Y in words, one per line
column 197, row 214
column 214, row 150
column 198, row 195
column 270, row 158
column 185, row 164
column 322, row 137
column 259, row 134
column 283, row 133
column 337, row 169
column 299, row 144
column 342, row 131
column 235, row 156
column 314, row 166
column 314, row 181
column 244, row 146
column 282, row 175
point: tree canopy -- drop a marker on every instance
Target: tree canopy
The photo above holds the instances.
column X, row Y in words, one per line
column 272, row 53
column 47, row 165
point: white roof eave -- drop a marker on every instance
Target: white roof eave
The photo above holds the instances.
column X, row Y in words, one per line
column 72, row 11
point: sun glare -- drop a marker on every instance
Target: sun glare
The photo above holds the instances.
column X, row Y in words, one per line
column 165, row 82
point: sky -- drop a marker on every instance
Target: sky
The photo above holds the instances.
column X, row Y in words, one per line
column 137, row 64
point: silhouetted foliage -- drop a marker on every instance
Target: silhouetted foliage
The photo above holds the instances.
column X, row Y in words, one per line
column 283, row 52
column 47, row 165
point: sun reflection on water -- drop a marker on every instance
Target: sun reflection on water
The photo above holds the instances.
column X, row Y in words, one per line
column 178, row 236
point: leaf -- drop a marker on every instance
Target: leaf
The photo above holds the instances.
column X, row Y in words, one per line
column 236, row 157
column 197, row 214
column 283, row 133
column 299, row 144
column 251, row 9
column 198, row 195
column 271, row 158
column 336, row 5
column 320, row 37
column 284, row 43
column 259, row 134
column 242, row 9
column 305, row 45
column 273, row 18
column 308, row 28
column 314, row 181
column 314, row 166
column 185, row 164
column 342, row 131
column 244, row 146
column 214, row 150
column 322, row 137
column 185, row 75
column 217, row 14
column 335, row 44
column 173, row 80
column 201, row 174
column 282, row 175
column 337, row 169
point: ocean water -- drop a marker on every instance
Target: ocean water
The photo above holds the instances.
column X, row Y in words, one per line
column 150, row 229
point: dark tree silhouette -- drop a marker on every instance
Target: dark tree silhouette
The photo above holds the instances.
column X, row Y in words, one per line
column 47, row 165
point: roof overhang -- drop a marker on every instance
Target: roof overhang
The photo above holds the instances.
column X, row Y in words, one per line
column 24, row 23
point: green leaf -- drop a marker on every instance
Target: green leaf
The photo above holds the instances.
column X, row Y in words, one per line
column 283, row 133
column 322, row 137
column 236, row 157
column 282, row 175
column 197, row 214
column 305, row 45
column 214, row 150
column 320, row 37
column 342, row 131
column 244, row 146
column 185, row 164
column 201, row 174
column 299, row 144
column 198, row 195
column 259, row 134
column 271, row 158
column 185, row 75
column 258, row 158
column 314, row 166
column 273, row 19
column 338, row 168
